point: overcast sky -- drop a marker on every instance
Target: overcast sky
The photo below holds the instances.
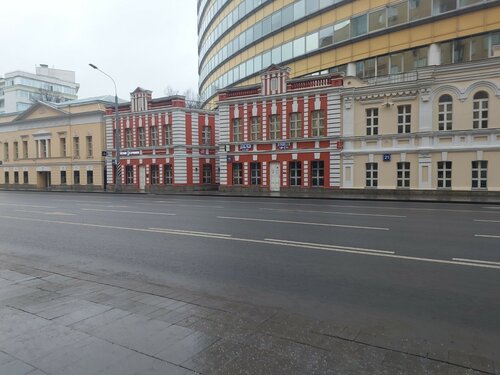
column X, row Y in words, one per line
column 147, row 43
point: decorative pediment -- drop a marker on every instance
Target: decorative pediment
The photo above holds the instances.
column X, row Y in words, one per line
column 40, row 110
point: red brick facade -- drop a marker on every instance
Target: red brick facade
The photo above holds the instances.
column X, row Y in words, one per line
column 282, row 134
column 164, row 144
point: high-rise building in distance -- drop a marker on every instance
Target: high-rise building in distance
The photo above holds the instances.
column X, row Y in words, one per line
column 237, row 39
column 19, row 90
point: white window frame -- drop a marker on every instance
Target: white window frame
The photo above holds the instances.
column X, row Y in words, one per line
column 479, row 174
column 372, row 121
column 318, row 123
column 237, row 174
column 295, row 169
column 404, row 119
column 317, row 173
column 295, row 125
column 371, row 175
column 480, row 111
column 255, row 128
column 168, row 134
column 154, row 136
column 445, row 113
column 255, row 173
column 237, row 130
column 168, row 174
column 206, row 135
column 141, row 137
column 403, row 174
column 444, row 174
column 274, row 127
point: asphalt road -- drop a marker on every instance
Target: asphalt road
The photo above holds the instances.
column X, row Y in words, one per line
column 430, row 270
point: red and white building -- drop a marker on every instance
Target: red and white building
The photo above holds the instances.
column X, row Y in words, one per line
column 165, row 145
column 281, row 135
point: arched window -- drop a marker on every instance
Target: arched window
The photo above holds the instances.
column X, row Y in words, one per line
column 480, row 110
column 445, row 112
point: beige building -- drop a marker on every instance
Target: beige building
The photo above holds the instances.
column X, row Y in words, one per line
column 433, row 129
column 54, row 146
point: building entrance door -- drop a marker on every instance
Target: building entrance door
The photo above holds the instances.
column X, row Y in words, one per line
column 275, row 176
column 43, row 180
column 142, row 178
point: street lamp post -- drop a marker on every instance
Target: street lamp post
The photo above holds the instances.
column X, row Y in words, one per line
column 118, row 181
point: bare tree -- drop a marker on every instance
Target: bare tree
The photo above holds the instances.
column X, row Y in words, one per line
column 193, row 100
column 46, row 95
column 169, row 91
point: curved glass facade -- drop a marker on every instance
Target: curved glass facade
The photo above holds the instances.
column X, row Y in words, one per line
column 232, row 51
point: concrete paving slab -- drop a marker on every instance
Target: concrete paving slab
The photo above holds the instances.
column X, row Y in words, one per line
column 16, row 368
column 183, row 349
column 100, row 320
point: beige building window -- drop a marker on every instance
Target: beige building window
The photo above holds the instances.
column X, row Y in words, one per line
column 480, row 110
column 90, row 177
column 274, row 127
column 142, row 139
column 237, row 130
column 479, row 174
column 90, row 146
column 5, row 151
column 444, row 174
column 16, row 150
column 318, row 123
column 63, row 178
column 167, row 130
column 371, row 121
column 404, row 118
column 295, row 125
column 76, row 177
column 445, row 112
column 25, row 149
column 44, row 148
column 154, row 136
column 371, row 174
column 76, row 147
column 255, row 128
column 403, row 180
column 128, row 138
column 62, row 147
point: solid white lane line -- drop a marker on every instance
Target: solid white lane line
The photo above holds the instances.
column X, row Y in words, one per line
column 24, row 205
column 191, row 231
column 332, row 247
column 487, row 221
column 428, row 260
column 300, row 223
column 47, row 213
column 129, row 212
column 486, row 236
column 178, row 205
column 493, row 208
column 476, row 261
column 332, row 212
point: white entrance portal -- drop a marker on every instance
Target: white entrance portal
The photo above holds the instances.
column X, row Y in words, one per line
column 142, row 178
column 274, row 177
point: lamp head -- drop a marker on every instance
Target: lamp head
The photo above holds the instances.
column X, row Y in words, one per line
column 93, row 66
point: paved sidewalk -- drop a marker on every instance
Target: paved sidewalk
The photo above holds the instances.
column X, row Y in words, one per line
column 58, row 320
